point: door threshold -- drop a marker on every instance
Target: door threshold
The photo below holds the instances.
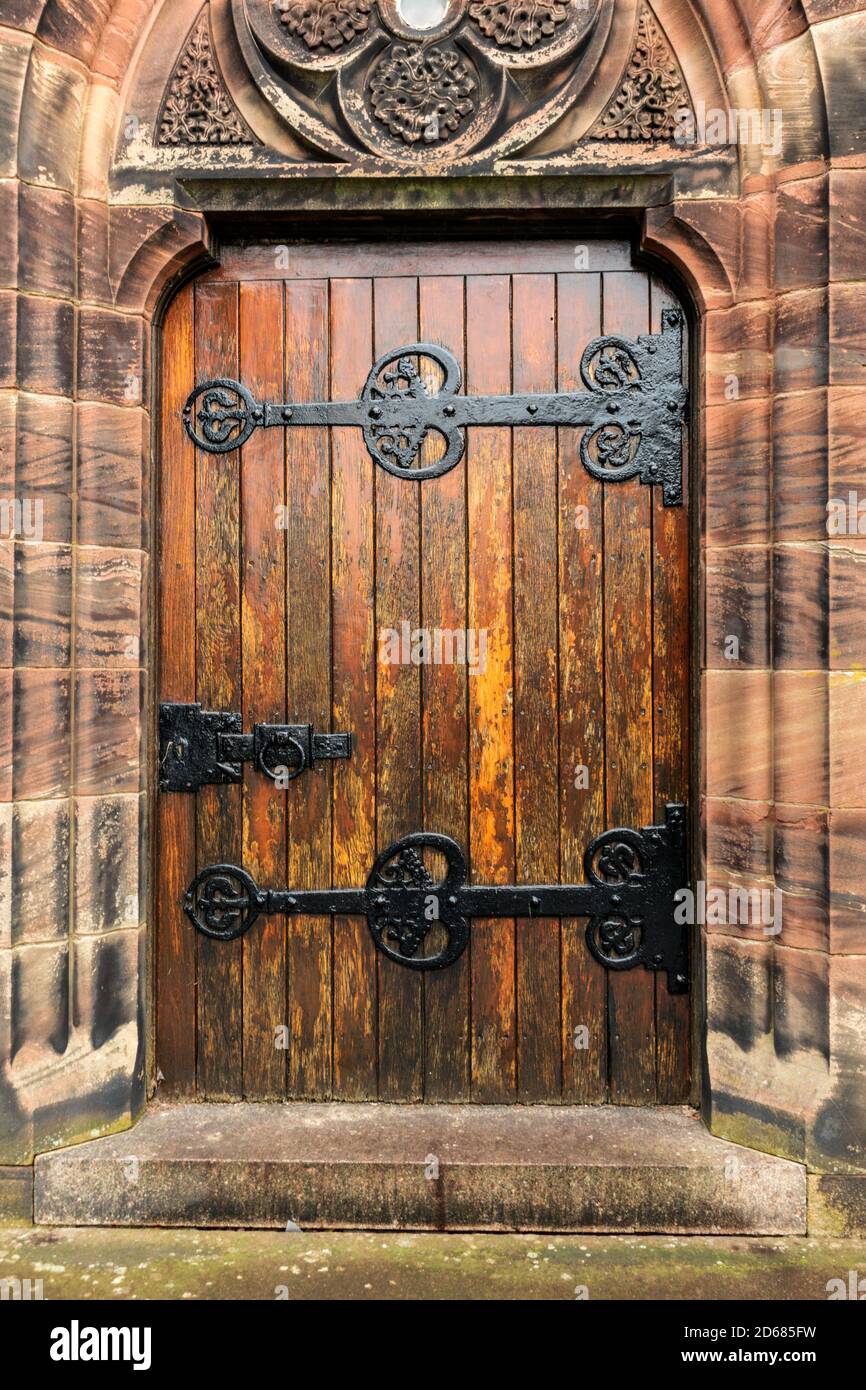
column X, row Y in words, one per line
column 340, row 1166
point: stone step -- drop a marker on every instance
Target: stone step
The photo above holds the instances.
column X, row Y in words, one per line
column 422, row 1168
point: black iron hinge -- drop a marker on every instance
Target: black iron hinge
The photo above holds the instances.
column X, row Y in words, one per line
column 422, row 921
column 200, row 748
column 632, row 410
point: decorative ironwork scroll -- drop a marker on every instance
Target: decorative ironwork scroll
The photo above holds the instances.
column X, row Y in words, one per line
column 421, row 919
column 631, row 413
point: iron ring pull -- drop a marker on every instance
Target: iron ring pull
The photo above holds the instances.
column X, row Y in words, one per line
column 282, row 772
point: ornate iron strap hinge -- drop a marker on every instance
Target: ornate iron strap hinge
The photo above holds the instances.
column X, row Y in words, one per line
column 199, row 748
column 423, row 923
column 632, row 411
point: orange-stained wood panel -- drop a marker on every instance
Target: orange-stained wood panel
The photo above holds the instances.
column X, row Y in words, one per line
column 283, row 568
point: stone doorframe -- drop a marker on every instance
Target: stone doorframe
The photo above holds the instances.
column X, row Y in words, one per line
column 773, row 262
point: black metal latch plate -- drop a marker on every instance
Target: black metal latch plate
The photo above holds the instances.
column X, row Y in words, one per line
column 199, row 748
column 422, row 922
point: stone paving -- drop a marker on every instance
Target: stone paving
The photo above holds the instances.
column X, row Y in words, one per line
column 96, row 1263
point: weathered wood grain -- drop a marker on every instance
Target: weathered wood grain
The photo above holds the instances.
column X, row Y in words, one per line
column 218, row 686
column 491, row 692
column 354, row 695
column 263, row 622
column 308, row 663
column 176, row 943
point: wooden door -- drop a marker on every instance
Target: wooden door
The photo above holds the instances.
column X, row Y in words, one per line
column 281, row 568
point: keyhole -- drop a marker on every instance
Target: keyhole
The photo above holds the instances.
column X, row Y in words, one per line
column 423, row 14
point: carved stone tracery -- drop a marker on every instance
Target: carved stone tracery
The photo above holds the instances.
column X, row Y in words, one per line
column 651, row 93
column 422, row 93
column 197, row 109
column 519, row 23
column 357, row 82
column 326, row 24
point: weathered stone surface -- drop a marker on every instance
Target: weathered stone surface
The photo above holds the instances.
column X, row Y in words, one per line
column 738, row 607
column 417, row 1268
column 847, row 883
column 111, row 357
column 801, row 585
column 837, row 1205
column 106, row 864
column 41, row 752
column 847, row 632
column 7, row 598
column 40, row 1000
column 801, row 243
column 800, row 744
column 107, row 732
column 43, row 470
column 739, row 359
column 16, row 1196
column 74, row 26
column 738, row 473
column 847, row 691
column 841, row 48
column 40, row 871
column 499, row 1168
column 800, row 466
column 46, row 241
column 767, row 1041
column 14, row 59
column 739, row 855
column 45, row 344
column 111, row 445
column 847, row 223
column 847, row 350
column 9, row 233
column 800, row 346
column 739, row 758
column 48, row 136
column 43, row 604
column 802, row 873
column 838, row 1135
column 108, row 626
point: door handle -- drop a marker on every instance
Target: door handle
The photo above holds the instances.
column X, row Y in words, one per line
column 199, row 748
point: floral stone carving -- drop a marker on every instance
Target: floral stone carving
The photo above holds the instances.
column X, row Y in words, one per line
column 651, row 93
column 197, row 109
column 520, row 23
column 422, row 93
column 326, row 24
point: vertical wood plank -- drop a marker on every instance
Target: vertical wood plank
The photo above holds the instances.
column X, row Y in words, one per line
column 218, row 686
column 581, row 703
column 671, row 647
column 175, row 957
column 310, row 942
column 536, row 741
column 354, row 695
column 444, row 729
column 628, row 710
column 263, row 616
column 398, row 708
column 491, row 723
